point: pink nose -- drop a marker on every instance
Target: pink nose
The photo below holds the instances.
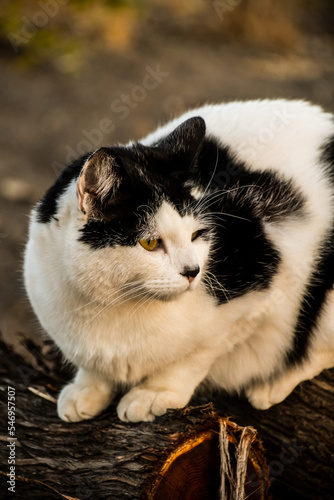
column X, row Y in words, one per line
column 190, row 273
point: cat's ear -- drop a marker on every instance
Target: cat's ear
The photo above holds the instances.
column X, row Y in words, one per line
column 99, row 178
column 186, row 139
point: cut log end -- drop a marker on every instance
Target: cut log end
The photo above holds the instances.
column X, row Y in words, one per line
column 216, row 460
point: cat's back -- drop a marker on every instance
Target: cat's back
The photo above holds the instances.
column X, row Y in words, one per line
column 251, row 128
column 292, row 139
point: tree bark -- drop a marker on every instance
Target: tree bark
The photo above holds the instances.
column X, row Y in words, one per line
column 190, row 449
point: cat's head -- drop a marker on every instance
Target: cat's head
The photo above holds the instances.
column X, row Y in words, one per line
column 140, row 217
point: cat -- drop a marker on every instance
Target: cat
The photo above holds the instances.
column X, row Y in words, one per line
column 204, row 252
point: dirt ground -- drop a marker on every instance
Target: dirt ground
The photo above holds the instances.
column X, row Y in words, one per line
column 55, row 110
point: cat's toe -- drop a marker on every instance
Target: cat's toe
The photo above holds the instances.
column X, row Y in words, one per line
column 76, row 403
column 66, row 404
column 165, row 400
column 143, row 405
column 264, row 396
column 259, row 397
column 136, row 405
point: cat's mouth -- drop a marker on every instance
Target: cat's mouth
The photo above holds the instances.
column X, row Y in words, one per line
column 171, row 292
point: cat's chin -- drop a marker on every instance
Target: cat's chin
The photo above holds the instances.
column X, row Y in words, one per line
column 165, row 296
column 169, row 296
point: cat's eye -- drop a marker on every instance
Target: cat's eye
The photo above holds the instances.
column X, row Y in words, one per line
column 197, row 234
column 149, row 244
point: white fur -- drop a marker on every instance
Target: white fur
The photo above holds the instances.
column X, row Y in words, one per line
column 95, row 307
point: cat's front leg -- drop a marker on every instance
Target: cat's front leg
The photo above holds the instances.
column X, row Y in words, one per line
column 87, row 396
column 171, row 387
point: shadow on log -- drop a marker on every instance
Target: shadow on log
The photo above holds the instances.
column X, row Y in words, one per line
column 190, row 454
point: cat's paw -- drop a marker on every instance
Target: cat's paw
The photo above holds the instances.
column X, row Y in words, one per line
column 264, row 396
column 143, row 405
column 259, row 396
column 77, row 402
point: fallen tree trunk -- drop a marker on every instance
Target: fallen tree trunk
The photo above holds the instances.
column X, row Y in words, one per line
column 187, row 454
column 192, row 452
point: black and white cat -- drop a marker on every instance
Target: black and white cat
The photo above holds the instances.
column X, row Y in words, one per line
column 204, row 252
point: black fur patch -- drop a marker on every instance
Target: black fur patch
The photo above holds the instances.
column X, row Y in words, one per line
column 322, row 280
column 125, row 219
column 327, row 158
column 47, row 207
column 242, row 258
column 238, row 202
column 148, row 177
column 271, row 197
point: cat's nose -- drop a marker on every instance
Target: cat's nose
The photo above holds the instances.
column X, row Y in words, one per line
column 190, row 273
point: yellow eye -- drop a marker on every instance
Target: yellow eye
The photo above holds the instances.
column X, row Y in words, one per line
column 150, row 244
column 194, row 236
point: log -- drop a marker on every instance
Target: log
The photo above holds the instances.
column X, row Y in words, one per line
column 192, row 453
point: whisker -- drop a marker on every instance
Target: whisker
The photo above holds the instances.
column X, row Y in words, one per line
column 230, row 215
column 209, row 183
column 112, row 304
column 212, row 278
column 141, row 303
column 220, row 192
column 130, row 295
column 104, row 294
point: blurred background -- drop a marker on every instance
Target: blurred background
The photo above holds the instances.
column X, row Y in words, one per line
column 79, row 74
